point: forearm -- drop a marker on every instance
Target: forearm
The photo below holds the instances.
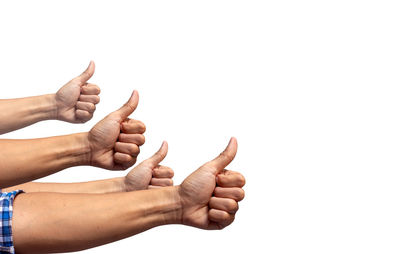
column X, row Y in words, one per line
column 18, row 113
column 101, row 186
column 26, row 160
column 75, row 222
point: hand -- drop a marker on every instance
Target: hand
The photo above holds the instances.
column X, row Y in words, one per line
column 208, row 203
column 149, row 174
column 114, row 141
column 76, row 100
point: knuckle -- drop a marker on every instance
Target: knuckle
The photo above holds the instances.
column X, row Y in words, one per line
column 97, row 89
column 240, row 194
column 242, row 180
column 171, row 172
column 135, row 150
column 142, row 139
column 233, row 205
column 131, row 149
column 92, row 107
column 89, row 116
column 225, row 216
column 133, row 161
column 142, row 127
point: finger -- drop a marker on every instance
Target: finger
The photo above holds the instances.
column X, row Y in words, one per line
column 132, row 126
column 89, row 98
column 90, row 89
column 83, row 115
column 129, row 106
column 123, row 166
column 225, row 157
column 127, row 148
column 159, row 155
column 161, row 182
column 87, row 74
column 87, row 106
column 137, row 139
column 224, row 204
column 124, row 159
column 163, row 172
column 221, row 217
column 234, row 193
column 231, row 180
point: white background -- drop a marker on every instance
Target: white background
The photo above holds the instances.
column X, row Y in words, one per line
column 309, row 88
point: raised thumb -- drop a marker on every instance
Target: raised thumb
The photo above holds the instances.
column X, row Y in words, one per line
column 129, row 106
column 226, row 157
column 87, row 74
column 159, row 155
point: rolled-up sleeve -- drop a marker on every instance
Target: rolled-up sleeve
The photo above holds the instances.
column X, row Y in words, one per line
column 6, row 212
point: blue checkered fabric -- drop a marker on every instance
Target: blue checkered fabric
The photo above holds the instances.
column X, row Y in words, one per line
column 6, row 202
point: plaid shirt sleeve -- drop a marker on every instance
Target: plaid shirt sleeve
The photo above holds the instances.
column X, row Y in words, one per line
column 6, row 203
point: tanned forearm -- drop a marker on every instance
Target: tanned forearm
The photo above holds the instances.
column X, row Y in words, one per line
column 101, row 186
column 72, row 222
column 19, row 113
column 26, row 160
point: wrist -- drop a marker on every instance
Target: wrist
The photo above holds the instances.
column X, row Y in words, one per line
column 82, row 149
column 120, row 184
column 49, row 105
column 175, row 217
column 169, row 206
column 45, row 107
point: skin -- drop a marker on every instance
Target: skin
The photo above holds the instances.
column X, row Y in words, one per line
column 113, row 144
column 78, row 216
column 75, row 102
column 207, row 199
column 148, row 174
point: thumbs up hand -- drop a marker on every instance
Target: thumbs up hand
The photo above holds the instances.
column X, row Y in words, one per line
column 149, row 174
column 76, row 101
column 114, row 141
column 210, row 195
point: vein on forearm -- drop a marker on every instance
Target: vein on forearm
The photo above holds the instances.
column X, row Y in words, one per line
column 26, row 160
column 21, row 112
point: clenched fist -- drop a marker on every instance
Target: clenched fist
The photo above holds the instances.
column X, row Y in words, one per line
column 114, row 141
column 149, row 174
column 76, row 101
column 210, row 195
